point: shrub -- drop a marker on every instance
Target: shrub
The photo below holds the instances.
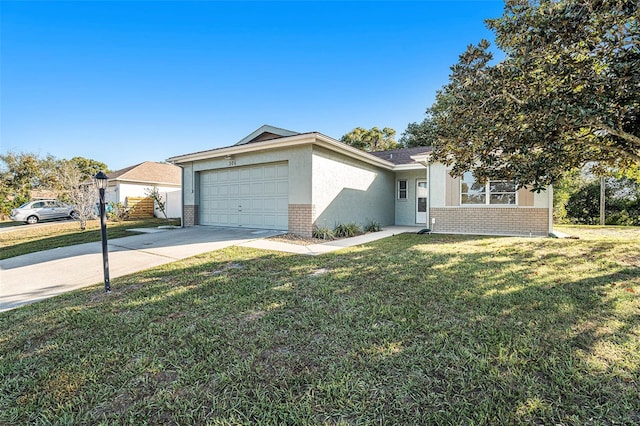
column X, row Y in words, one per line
column 346, row 230
column 323, row 233
column 372, row 226
column 117, row 212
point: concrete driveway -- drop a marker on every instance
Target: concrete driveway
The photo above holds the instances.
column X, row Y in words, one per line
column 36, row 276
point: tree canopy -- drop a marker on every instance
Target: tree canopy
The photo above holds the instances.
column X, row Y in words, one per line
column 89, row 167
column 371, row 140
column 566, row 93
column 21, row 173
column 419, row 134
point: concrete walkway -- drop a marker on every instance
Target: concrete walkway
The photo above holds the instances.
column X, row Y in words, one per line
column 36, row 276
column 316, row 249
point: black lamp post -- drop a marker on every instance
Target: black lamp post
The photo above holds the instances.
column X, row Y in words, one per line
column 101, row 183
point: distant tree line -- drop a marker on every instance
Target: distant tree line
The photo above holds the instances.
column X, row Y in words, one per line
column 577, row 198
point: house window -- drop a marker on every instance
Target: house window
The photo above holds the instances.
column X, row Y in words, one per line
column 402, row 190
column 494, row 192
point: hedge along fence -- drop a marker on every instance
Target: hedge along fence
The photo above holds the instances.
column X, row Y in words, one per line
column 139, row 207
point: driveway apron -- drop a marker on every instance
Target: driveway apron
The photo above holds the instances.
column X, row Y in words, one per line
column 36, row 276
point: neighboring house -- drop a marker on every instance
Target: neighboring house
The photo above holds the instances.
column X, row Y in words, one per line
column 136, row 180
column 279, row 179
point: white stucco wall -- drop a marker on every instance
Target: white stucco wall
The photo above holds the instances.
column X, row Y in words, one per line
column 173, row 204
column 346, row 190
column 438, row 175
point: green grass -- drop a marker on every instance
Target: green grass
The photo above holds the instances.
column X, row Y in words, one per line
column 412, row 329
column 61, row 234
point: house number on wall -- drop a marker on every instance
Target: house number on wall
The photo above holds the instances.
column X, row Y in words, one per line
column 232, row 162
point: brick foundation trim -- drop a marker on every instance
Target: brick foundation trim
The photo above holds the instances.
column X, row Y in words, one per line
column 491, row 221
column 301, row 219
column 190, row 215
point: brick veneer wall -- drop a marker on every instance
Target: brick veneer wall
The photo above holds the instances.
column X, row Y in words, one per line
column 491, row 221
column 301, row 219
column 190, row 215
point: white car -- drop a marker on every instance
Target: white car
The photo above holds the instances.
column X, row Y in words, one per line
column 35, row 211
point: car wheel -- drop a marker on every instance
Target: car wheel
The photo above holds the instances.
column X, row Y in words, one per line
column 74, row 215
column 32, row 219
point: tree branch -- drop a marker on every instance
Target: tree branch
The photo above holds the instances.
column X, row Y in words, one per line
column 626, row 153
column 633, row 139
column 501, row 95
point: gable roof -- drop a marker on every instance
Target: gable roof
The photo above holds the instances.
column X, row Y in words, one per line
column 149, row 172
column 402, row 155
column 265, row 133
column 269, row 137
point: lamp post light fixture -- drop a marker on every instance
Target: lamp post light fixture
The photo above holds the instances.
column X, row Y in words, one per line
column 101, row 183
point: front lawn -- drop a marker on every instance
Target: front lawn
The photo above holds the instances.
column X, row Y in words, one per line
column 412, row 329
column 31, row 239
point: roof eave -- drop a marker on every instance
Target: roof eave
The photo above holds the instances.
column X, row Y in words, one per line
column 423, row 159
column 239, row 149
column 284, row 142
column 120, row 180
column 411, row 166
column 353, row 152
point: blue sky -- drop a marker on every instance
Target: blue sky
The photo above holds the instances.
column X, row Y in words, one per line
column 125, row 82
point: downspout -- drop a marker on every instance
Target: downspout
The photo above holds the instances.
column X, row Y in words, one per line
column 428, row 194
column 181, row 195
column 550, row 205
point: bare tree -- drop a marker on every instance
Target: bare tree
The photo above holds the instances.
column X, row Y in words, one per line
column 79, row 191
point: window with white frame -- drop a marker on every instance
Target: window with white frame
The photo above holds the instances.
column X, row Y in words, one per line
column 494, row 192
column 403, row 191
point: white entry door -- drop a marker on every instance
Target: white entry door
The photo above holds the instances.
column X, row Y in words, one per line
column 421, row 201
column 253, row 197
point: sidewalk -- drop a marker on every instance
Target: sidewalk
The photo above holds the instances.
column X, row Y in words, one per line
column 321, row 248
column 36, row 276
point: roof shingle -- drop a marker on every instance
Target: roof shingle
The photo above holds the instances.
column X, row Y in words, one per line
column 149, row 171
column 402, row 155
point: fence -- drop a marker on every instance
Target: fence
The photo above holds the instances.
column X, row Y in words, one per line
column 139, row 207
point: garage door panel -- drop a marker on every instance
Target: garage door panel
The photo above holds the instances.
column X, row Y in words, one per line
column 257, row 173
column 244, row 175
column 282, row 204
column 269, row 172
column 255, row 196
column 282, row 222
column 269, row 188
column 257, row 188
column 233, row 189
column 251, row 220
column 269, row 205
column 232, row 175
column 245, row 190
column 269, row 220
column 282, row 171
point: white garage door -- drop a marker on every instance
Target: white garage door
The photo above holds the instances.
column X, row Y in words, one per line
column 252, row 197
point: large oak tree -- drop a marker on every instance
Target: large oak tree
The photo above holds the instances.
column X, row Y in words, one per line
column 566, row 93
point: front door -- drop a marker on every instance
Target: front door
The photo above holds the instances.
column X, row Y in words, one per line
column 421, row 201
